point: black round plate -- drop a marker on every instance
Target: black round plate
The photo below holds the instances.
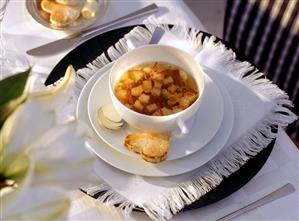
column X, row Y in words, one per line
column 89, row 50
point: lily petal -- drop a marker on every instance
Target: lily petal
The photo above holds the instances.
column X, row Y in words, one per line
column 59, row 97
column 28, row 122
column 38, row 203
column 62, row 157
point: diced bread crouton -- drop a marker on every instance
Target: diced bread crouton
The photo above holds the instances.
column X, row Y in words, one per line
column 165, row 93
column 138, row 105
column 128, row 81
column 157, row 84
column 137, row 91
column 147, row 70
column 157, row 113
column 166, row 111
column 156, row 92
column 136, row 75
column 174, row 99
column 172, row 88
column 177, row 109
column 175, row 96
column 125, row 76
column 144, row 98
column 183, row 75
column 151, row 107
column 157, row 76
column 187, row 99
column 172, row 102
column 147, row 85
column 168, row 80
column 159, row 67
column 121, row 94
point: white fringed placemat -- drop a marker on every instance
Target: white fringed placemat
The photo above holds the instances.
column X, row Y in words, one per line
column 259, row 107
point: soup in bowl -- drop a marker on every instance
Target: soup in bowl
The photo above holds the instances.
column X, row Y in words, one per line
column 156, row 88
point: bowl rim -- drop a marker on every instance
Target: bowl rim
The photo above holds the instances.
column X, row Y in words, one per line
column 150, row 117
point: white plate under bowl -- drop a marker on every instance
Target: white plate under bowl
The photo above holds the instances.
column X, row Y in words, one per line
column 203, row 126
column 167, row 168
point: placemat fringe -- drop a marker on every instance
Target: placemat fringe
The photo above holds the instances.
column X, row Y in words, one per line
column 138, row 34
column 163, row 206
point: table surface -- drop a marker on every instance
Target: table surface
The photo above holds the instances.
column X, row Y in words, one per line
column 21, row 33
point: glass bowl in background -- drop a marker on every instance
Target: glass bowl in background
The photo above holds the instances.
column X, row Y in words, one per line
column 35, row 10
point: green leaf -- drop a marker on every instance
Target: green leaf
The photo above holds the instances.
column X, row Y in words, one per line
column 12, row 90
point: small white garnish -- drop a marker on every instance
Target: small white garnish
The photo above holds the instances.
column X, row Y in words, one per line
column 107, row 117
column 111, row 114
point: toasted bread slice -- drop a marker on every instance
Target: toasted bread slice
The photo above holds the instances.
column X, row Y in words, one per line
column 151, row 146
column 48, row 5
column 135, row 142
column 62, row 16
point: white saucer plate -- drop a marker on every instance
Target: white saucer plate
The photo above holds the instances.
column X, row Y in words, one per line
column 203, row 126
column 167, row 168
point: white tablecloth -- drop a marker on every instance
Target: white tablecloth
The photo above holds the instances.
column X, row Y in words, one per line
column 23, row 33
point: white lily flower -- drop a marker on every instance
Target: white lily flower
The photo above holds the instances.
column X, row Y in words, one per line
column 25, row 126
column 38, row 203
column 41, row 160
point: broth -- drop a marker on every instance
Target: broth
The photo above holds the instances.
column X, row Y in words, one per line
column 156, row 89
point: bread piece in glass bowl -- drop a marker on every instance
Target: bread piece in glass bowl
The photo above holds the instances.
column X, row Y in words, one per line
column 66, row 15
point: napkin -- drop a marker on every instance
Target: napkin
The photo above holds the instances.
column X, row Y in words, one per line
column 259, row 106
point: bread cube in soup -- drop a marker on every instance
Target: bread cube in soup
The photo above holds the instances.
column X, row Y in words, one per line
column 165, row 93
column 147, row 85
column 144, row 98
column 147, row 70
column 151, row 107
column 157, row 84
column 187, row 99
column 136, row 75
column 137, row 91
column 172, row 101
column 183, row 75
column 177, row 109
column 160, row 67
column 125, row 76
column 157, row 76
column 138, row 105
column 156, row 92
column 157, row 113
column 166, row 111
column 172, row 88
column 128, row 81
column 121, row 94
column 168, row 80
